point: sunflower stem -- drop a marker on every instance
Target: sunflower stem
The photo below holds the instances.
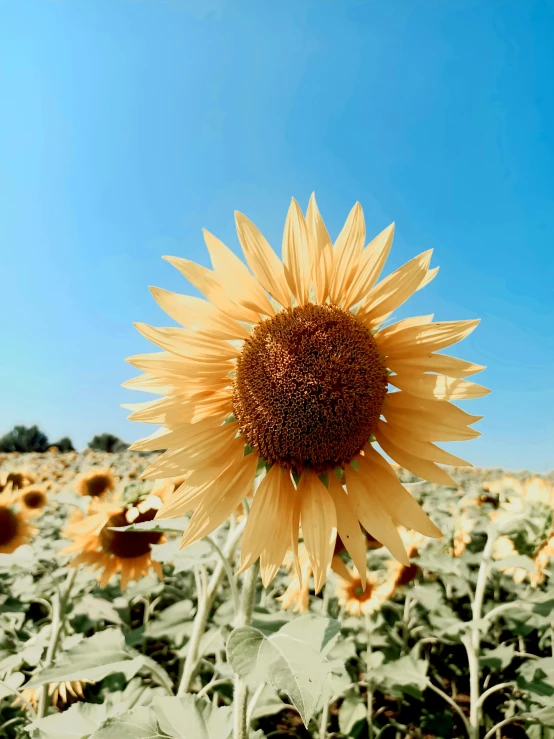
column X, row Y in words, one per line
column 472, row 641
column 59, row 608
column 368, row 628
column 244, row 617
column 205, row 602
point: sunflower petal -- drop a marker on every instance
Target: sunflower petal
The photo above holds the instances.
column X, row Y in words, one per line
column 372, row 262
column 450, row 366
column 373, row 515
column 417, row 340
column 319, row 525
column 348, row 527
column 296, row 257
column 347, row 252
column 198, row 314
column 238, row 282
column 321, row 249
column 438, row 387
column 262, row 260
column 429, row 277
column 394, row 290
column 423, row 449
column 426, row 427
column 442, row 410
column 219, row 501
column 401, row 506
column 420, row 467
column 189, row 344
column 210, row 286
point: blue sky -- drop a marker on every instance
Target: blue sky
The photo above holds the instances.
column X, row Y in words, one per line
column 128, row 125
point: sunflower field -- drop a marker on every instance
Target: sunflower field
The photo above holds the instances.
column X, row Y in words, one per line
column 108, row 630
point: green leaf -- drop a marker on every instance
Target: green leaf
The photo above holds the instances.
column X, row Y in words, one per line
column 429, row 595
column 138, row 723
column 171, row 623
column 97, row 609
column 187, row 717
column 404, row 675
column 517, row 560
column 537, row 676
column 93, row 659
column 78, row 722
column 353, row 710
column 292, row 660
column 159, row 525
column 15, row 681
column 499, row 658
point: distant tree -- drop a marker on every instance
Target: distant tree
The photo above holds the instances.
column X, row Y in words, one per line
column 24, row 439
column 64, row 444
column 107, row 443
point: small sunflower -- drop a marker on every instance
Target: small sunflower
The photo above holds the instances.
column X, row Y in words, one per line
column 127, row 552
column 61, row 694
column 401, row 574
column 14, row 529
column 290, row 365
column 18, row 479
column 33, row 499
column 96, row 483
column 504, row 548
column 362, row 598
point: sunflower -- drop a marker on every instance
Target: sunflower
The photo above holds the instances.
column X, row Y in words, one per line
column 288, row 368
column 504, row 548
column 33, row 499
column 359, row 598
column 401, row 574
column 110, row 551
column 60, row 694
column 14, row 529
column 96, row 483
column 18, row 479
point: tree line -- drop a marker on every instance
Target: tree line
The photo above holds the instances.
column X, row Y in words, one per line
column 32, row 439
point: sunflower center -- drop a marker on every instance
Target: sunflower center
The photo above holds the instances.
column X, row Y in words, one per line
column 358, row 593
column 33, row 499
column 309, row 388
column 8, row 526
column 97, row 486
column 128, row 544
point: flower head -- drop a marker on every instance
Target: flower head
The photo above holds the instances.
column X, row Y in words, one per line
column 14, row 529
column 96, row 483
column 33, row 499
column 286, row 369
column 109, row 551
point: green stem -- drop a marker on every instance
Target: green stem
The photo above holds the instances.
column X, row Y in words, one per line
column 370, row 731
column 244, row 617
column 59, row 608
column 452, row 704
column 325, row 714
column 228, row 571
column 19, row 696
column 472, row 642
column 205, row 602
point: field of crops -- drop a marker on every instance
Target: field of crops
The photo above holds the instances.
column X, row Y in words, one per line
column 140, row 639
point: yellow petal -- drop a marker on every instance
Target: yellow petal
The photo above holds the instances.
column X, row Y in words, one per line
column 417, row 340
column 401, row 506
column 373, row 516
column 210, row 286
column 394, row 290
column 347, row 252
column 450, row 366
column 198, row 314
column 319, row 525
column 296, row 255
column 237, row 281
column 394, row 328
column 262, row 260
column 189, row 344
column 348, row 527
column 371, row 265
column 423, row 449
column 220, row 500
column 321, row 249
column 440, row 409
column 173, row 367
column 338, row 566
column 148, row 384
column 426, row 427
column 429, row 277
column 261, row 517
column 438, row 387
column 421, row 467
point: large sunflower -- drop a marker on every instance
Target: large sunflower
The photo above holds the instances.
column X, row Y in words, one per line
column 108, row 551
column 288, row 368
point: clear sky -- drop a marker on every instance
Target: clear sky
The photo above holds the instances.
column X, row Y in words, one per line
column 128, row 125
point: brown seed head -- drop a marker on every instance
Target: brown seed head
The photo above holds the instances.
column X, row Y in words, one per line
column 309, row 388
column 8, row 526
column 127, row 544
